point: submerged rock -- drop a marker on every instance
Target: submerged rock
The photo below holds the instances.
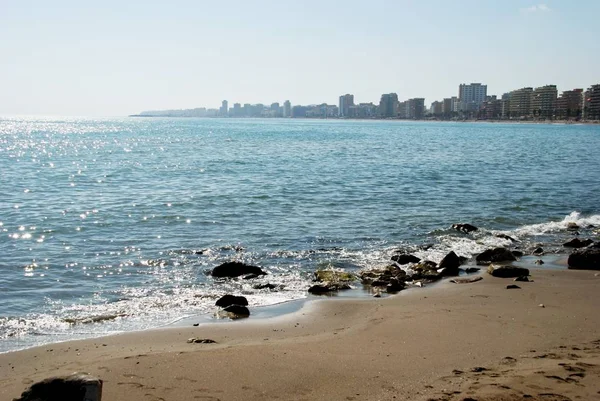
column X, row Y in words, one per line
column 227, row 300
column 404, row 259
column 471, row 270
column 464, row 227
column 571, row 226
column 466, row 280
column 538, row 251
column 507, row 237
column 578, row 243
column 585, row 259
column 495, row 255
column 517, row 254
column 76, row 387
column 507, row 271
column 236, row 269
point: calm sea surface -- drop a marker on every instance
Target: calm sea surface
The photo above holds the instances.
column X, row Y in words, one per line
column 109, row 225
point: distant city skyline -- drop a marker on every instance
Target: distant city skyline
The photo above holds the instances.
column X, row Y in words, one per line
column 72, row 58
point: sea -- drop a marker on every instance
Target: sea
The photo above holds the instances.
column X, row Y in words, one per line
column 109, row 225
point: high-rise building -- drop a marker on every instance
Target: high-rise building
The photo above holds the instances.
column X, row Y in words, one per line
column 237, row 110
column 437, row 108
column 224, row 108
column 471, row 96
column 287, row 109
column 592, row 103
column 346, row 101
column 388, row 105
column 570, row 104
column 520, row 103
column 416, row 108
column 543, row 101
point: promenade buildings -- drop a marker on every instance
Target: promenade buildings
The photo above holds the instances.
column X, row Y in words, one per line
column 471, row 96
column 570, row 104
column 539, row 104
column 346, row 102
column 388, row 105
column 543, row 101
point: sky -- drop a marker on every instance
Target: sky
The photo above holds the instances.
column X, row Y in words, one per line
column 114, row 58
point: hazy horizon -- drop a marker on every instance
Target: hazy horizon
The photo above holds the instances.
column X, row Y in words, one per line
column 119, row 58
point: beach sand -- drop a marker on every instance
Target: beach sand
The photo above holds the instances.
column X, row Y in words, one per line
column 477, row 341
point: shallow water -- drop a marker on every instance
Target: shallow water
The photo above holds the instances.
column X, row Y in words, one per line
column 103, row 219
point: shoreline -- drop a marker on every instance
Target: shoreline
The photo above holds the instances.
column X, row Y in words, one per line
column 404, row 346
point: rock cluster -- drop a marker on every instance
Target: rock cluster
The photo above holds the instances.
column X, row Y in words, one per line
column 234, row 306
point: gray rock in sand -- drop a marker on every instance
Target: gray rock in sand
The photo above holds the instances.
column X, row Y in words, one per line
column 507, row 271
column 76, row 387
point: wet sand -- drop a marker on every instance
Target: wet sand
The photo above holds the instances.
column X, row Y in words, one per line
column 476, row 341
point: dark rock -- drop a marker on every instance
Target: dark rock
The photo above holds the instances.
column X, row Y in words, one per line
column 522, row 278
column 464, row 227
column 425, row 265
column 472, row 269
column 251, row 276
column 517, row 254
column 227, row 300
column 197, row 340
column 449, row 265
column 495, row 255
column 391, row 271
column 538, row 251
column 466, row 280
column 395, row 285
column 462, row 259
column 586, row 259
column 513, row 287
column 404, row 259
column 507, row 271
column 319, row 289
column 577, row 243
column 572, row 226
column 237, row 311
column 333, row 276
column 507, row 237
column 539, row 262
column 236, row 269
column 267, row 286
column 76, row 387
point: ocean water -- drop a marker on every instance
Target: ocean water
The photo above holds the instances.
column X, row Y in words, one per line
column 110, row 225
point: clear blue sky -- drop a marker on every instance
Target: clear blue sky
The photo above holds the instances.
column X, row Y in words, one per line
column 108, row 58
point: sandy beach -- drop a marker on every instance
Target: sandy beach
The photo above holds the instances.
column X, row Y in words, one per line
column 477, row 341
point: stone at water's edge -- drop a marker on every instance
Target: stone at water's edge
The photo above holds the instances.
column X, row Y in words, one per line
column 578, row 243
column 333, row 276
column 227, row 300
column 76, row 387
column 507, row 271
column 325, row 288
column 237, row 311
column 585, row 259
column 495, row 255
column 450, row 264
column 236, row 269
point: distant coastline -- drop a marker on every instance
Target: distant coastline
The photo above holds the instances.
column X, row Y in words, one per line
column 469, row 120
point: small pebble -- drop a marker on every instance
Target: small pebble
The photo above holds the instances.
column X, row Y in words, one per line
column 196, row 324
column 541, row 305
column 512, row 287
